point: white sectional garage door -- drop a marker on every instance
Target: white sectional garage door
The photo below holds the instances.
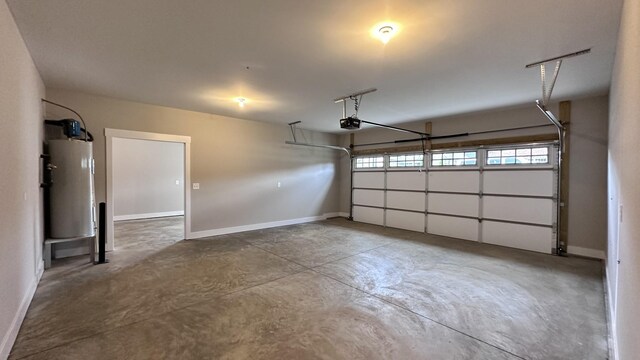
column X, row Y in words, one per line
column 508, row 201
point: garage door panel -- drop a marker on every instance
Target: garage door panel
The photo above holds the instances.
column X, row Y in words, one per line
column 406, row 220
column 455, row 204
column 406, row 200
column 512, row 182
column 534, row 238
column 536, row 211
column 455, row 227
column 406, row 180
column 368, row 215
column 368, row 197
column 454, row 181
column 365, row 179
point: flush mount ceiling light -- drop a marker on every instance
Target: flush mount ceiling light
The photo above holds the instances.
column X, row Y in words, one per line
column 241, row 101
column 384, row 31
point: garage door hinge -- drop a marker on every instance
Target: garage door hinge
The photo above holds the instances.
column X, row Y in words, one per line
column 479, row 220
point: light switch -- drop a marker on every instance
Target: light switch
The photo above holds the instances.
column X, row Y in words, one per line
column 196, row 186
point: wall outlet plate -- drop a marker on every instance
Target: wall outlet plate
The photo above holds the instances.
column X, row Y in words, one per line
column 196, row 186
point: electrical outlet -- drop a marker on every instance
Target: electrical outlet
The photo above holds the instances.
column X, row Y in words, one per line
column 279, row 184
column 196, row 186
column 177, row 182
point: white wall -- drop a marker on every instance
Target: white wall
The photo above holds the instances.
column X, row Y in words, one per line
column 21, row 142
column 148, row 178
column 587, row 231
column 624, row 191
column 238, row 163
column 588, row 176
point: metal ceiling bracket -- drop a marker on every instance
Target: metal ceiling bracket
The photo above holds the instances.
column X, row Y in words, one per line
column 354, row 95
column 547, row 89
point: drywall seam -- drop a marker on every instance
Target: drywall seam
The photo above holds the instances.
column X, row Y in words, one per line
column 591, row 253
column 237, row 229
column 148, row 215
column 12, row 334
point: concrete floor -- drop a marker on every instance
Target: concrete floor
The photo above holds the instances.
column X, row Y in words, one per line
column 327, row 290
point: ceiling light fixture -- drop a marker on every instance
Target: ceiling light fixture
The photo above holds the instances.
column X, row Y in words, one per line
column 384, row 31
column 241, row 101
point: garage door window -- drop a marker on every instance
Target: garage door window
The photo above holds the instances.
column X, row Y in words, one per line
column 369, row 162
column 460, row 158
column 406, row 160
column 519, row 156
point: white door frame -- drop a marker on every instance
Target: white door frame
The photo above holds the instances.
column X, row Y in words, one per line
column 110, row 134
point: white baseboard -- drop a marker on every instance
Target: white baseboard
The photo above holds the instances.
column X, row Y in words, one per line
column 592, row 253
column 237, row 229
column 343, row 214
column 613, row 336
column 147, row 215
column 10, row 337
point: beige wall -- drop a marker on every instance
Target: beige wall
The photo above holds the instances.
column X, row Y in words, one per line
column 238, row 163
column 148, row 178
column 624, row 192
column 21, row 134
column 588, row 138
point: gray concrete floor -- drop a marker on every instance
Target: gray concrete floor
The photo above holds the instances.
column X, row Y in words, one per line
column 326, row 290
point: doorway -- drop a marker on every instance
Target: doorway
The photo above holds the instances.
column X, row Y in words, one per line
column 147, row 178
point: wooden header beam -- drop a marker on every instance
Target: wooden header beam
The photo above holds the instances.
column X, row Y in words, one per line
column 461, row 144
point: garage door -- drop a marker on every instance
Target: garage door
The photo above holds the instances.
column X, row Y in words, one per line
column 519, row 197
column 503, row 196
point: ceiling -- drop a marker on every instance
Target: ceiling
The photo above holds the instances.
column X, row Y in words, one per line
column 291, row 58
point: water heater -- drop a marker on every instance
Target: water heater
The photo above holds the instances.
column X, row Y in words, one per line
column 72, row 198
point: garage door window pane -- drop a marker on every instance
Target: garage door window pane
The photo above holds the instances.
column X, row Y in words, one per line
column 458, row 158
column 407, row 160
column 369, row 162
column 519, row 156
column 539, row 151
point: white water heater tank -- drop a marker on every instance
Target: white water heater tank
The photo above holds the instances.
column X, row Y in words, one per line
column 72, row 198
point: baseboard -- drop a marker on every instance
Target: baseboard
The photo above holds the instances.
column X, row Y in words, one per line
column 10, row 337
column 237, row 229
column 591, row 253
column 147, row 215
column 343, row 214
column 611, row 323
